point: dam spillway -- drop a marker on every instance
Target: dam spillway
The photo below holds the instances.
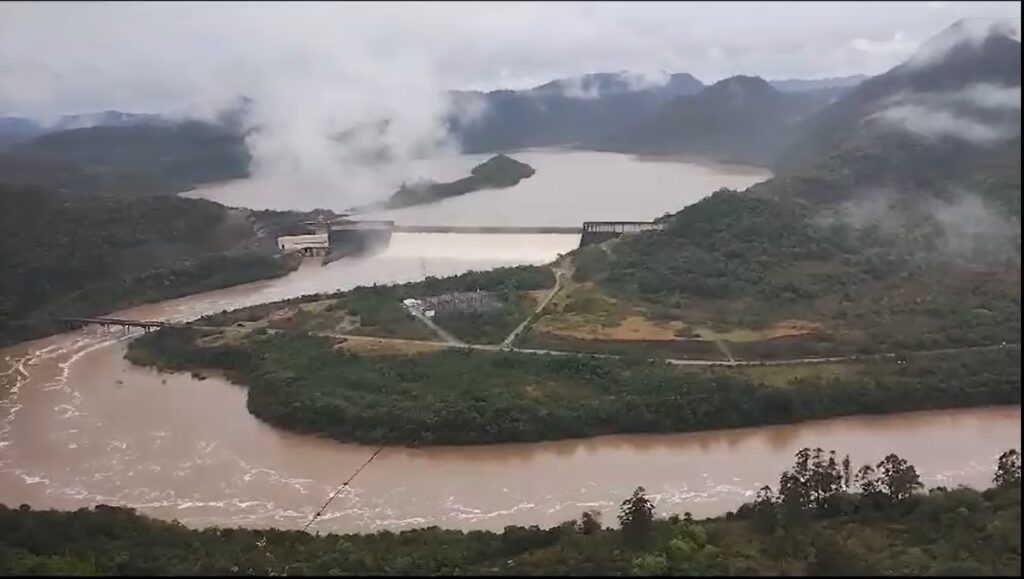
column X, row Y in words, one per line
column 355, row 237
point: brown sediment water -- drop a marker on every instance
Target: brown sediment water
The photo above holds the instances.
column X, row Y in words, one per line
column 80, row 426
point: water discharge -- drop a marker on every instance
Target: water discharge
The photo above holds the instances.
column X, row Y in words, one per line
column 80, row 426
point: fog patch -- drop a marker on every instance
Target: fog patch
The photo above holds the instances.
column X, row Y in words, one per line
column 963, row 227
column 588, row 87
column 972, row 32
column 973, row 229
column 936, row 124
column 980, row 113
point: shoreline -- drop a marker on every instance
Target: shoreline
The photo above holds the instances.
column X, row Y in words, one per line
column 154, row 360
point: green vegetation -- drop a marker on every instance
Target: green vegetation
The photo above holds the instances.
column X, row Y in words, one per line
column 498, row 172
column 305, row 383
column 819, row 524
column 744, row 261
column 378, row 311
column 80, row 255
column 128, row 161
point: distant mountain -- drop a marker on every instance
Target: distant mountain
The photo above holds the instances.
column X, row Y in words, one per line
column 742, row 118
column 960, row 64
column 925, row 125
column 130, row 160
column 799, row 85
column 18, row 129
column 572, row 111
column 105, row 119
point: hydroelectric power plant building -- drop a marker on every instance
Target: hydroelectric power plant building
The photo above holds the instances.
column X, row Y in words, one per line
column 311, row 245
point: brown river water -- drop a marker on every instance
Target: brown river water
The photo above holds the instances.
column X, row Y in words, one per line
column 80, row 426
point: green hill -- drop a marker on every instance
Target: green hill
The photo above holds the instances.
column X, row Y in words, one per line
column 739, row 119
column 78, row 255
column 883, row 238
column 127, row 161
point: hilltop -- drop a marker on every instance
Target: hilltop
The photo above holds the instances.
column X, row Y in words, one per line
column 128, row 160
column 739, row 119
column 570, row 111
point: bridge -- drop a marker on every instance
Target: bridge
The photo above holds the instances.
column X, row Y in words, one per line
column 146, row 325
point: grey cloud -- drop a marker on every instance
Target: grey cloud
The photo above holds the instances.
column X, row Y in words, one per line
column 314, row 70
column 935, row 124
column 972, row 228
column 972, row 30
column 941, row 115
column 967, row 228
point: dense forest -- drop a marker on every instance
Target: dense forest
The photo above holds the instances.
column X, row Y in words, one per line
column 77, row 255
column 128, row 161
column 742, row 260
column 824, row 518
column 312, row 384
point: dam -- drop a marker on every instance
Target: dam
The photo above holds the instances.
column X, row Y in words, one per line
column 353, row 237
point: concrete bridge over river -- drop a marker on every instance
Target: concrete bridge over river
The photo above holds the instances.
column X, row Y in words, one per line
column 147, row 325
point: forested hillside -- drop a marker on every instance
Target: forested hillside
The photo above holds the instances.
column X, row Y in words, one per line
column 127, row 161
column 75, row 255
column 890, row 237
column 740, row 119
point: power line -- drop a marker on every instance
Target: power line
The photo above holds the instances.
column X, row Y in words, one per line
column 343, row 485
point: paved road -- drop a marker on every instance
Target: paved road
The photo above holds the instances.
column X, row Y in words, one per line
column 674, row 361
column 551, row 294
column 444, row 335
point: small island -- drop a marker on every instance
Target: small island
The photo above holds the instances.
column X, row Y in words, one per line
column 498, row 172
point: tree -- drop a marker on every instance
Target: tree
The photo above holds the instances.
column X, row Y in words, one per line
column 636, row 517
column 813, row 480
column 650, row 564
column 766, row 515
column 899, row 478
column 1008, row 469
column 590, row 522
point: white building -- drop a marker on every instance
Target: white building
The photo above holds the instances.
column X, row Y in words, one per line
column 316, row 244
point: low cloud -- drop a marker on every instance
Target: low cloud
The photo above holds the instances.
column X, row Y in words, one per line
column 965, row 114
column 971, row 32
column 899, row 45
column 966, row 227
column 935, row 124
column 973, row 229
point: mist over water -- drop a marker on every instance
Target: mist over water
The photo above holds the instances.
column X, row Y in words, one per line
column 568, row 188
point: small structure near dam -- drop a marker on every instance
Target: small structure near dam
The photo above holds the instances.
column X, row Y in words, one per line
column 344, row 237
column 310, row 245
column 600, row 231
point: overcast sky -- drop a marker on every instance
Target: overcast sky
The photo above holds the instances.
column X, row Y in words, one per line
column 64, row 57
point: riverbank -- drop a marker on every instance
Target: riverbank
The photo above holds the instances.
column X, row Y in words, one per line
column 318, row 385
column 886, row 532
